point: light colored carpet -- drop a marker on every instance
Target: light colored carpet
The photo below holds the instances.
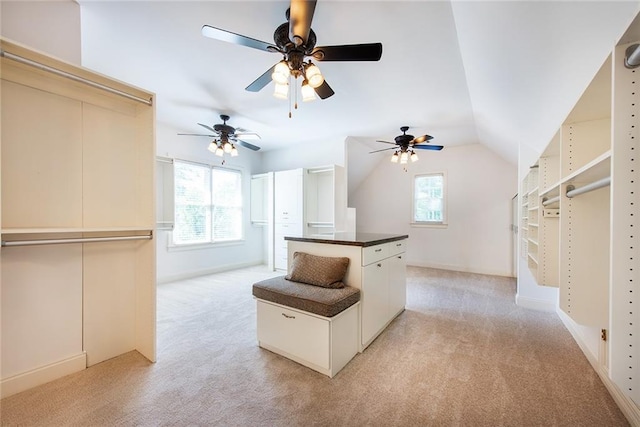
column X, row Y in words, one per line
column 462, row 354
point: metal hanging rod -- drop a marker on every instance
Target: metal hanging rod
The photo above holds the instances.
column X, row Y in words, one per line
column 572, row 191
column 550, row 201
column 75, row 240
column 632, row 56
column 52, row 70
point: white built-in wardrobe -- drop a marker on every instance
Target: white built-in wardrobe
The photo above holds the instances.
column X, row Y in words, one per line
column 580, row 223
column 77, row 257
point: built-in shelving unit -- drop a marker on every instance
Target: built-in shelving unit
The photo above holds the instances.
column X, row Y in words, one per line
column 584, row 238
column 78, row 218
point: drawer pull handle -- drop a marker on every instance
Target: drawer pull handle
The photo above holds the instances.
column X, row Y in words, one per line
column 288, row 317
column 378, row 250
column 379, row 265
column 400, row 257
column 398, row 244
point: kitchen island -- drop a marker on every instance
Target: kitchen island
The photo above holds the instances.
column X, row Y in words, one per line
column 377, row 267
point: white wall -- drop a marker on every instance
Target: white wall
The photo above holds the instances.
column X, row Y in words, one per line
column 305, row 155
column 51, row 27
column 174, row 264
column 480, row 186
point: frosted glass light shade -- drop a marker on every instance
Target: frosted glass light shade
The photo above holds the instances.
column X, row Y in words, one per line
column 404, row 157
column 281, row 73
column 227, row 147
column 219, row 152
column 308, row 94
column 234, row 151
column 314, row 76
column 213, row 146
column 394, row 158
column 281, row 91
column 414, row 157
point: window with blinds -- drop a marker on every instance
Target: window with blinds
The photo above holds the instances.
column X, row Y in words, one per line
column 429, row 199
column 208, row 204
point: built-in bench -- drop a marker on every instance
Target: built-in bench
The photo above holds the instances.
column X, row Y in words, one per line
column 313, row 325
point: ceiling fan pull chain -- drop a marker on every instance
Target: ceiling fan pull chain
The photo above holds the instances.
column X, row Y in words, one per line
column 290, row 96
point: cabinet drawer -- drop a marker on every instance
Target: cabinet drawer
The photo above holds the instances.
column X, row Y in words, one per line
column 397, row 247
column 294, row 332
column 293, row 230
column 371, row 254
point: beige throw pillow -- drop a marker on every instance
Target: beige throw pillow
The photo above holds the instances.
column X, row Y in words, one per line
column 327, row 272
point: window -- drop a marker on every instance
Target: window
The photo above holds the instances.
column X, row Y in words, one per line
column 208, row 204
column 429, row 199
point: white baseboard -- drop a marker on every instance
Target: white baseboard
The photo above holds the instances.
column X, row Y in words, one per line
column 204, row 272
column 535, row 303
column 459, row 268
column 45, row 374
column 626, row 405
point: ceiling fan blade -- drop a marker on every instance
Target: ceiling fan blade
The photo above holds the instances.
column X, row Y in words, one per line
column 429, row 147
column 246, row 135
column 422, row 138
column 261, row 81
column 228, row 36
column 208, row 128
column 387, row 142
column 247, row 145
column 198, row 134
column 324, row 90
column 350, row 52
column 384, row 149
column 300, row 17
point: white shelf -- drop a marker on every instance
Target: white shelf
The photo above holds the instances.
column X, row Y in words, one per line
column 533, row 224
column 552, row 191
column 532, row 258
column 535, row 242
column 598, row 168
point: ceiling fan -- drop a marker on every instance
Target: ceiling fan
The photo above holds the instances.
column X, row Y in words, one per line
column 295, row 40
column 406, row 144
column 225, row 138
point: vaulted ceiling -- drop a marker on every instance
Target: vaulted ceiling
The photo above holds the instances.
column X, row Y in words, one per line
column 498, row 73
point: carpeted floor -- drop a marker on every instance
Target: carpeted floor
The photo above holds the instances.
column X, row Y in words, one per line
column 462, row 354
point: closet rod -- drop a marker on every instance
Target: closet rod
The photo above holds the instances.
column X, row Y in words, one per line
column 550, row 201
column 77, row 240
column 572, row 191
column 632, row 56
column 52, row 70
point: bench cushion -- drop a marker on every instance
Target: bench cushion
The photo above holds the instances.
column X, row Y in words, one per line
column 325, row 302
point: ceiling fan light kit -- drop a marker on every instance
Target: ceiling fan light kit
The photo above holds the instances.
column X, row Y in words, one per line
column 405, row 146
column 226, row 138
column 295, row 40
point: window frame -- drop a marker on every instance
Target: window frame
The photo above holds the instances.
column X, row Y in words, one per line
column 211, row 243
column 433, row 224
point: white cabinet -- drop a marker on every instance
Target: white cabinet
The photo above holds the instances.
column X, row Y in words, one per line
column 288, row 212
column 375, row 299
column 288, row 196
column 397, row 284
column 378, row 270
column 384, row 288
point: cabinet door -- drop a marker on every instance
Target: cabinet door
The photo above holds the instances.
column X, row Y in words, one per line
column 375, row 299
column 397, row 284
column 288, row 202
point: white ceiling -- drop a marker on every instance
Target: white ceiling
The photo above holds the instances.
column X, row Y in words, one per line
column 498, row 73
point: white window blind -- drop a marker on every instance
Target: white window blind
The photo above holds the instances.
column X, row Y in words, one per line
column 429, row 199
column 208, row 204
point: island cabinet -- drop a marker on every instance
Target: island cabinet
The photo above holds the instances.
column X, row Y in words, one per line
column 377, row 267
